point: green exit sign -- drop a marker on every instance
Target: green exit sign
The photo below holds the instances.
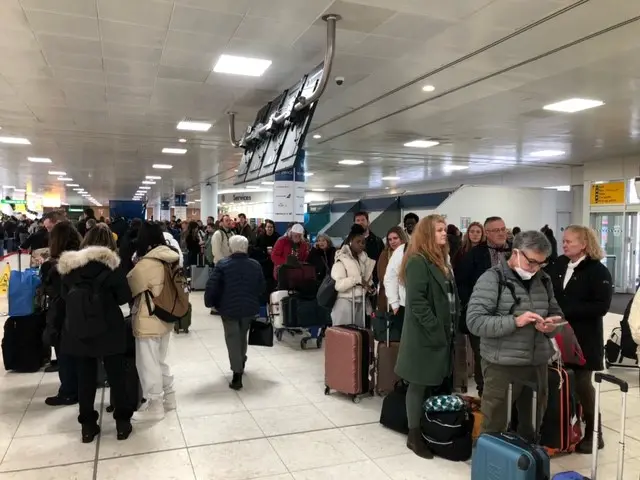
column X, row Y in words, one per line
column 13, row 202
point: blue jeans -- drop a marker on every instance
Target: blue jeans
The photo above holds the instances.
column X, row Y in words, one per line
column 68, row 373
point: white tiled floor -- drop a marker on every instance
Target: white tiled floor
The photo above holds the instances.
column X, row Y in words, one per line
column 280, row 427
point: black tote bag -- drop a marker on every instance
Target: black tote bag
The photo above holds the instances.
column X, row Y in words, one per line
column 261, row 334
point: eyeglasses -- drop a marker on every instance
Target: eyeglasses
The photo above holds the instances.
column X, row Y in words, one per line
column 498, row 230
column 534, row 263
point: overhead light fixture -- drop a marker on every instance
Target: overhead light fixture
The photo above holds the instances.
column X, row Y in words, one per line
column 454, row 168
column 317, row 136
column 39, row 160
column 174, row 151
column 422, row 144
column 428, row 88
column 145, row 188
column 197, row 199
column 153, row 177
column 573, row 105
column 267, row 183
column 162, row 166
column 350, row 162
column 65, row 179
column 342, row 186
column 547, row 153
column 560, row 188
column 251, row 187
column 55, row 172
column 318, row 189
column 85, row 195
column 72, row 185
column 78, row 189
column 390, row 178
column 148, row 182
column 194, row 126
column 182, row 140
column 19, row 190
column 251, row 67
column 15, row 141
column 308, row 174
column 9, row 187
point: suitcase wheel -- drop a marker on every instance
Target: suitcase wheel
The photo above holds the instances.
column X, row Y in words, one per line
column 303, row 343
column 110, row 409
column 327, row 390
column 355, row 399
column 279, row 335
column 319, row 342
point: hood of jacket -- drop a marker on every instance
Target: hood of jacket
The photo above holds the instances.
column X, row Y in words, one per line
column 345, row 252
column 163, row 253
column 73, row 260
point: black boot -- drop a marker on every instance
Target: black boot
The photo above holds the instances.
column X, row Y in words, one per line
column 123, row 429
column 89, row 432
column 417, row 445
column 236, row 382
column 586, row 444
column 58, row 401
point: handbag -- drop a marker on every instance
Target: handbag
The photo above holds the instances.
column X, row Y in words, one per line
column 394, row 409
column 381, row 321
column 261, row 334
column 444, row 403
column 327, row 293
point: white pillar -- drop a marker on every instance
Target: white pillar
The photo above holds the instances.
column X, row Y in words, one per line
column 209, row 200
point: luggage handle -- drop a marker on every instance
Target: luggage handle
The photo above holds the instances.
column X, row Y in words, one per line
column 599, row 377
column 534, row 410
column 353, row 306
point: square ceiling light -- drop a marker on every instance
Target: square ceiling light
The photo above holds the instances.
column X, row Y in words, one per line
column 15, row 141
column 422, row 144
column 19, row 190
column 390, row 178
column 454, row 168
column 547, row 153
column 174, row 151
column 153, row 177
column 162, row 166
column 342, row 186
column 194, row 126
column 350, row 162
column 318, row 189
column 573, row 105
column 148, row 182
column 72, row 185
column 65, row 179
column 250, row 67
column 145, row 188
column 39, row 160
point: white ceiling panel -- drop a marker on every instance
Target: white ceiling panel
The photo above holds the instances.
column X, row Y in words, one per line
column 132, row 34
column 139, row 12
column 290, row 11
column 71, row 45
column 56, row 24
column 67, row 60
column 194, row 42
column 237, row 7
column 197, row 20
column 412, row 27
column 136, row 53
column 86, row 8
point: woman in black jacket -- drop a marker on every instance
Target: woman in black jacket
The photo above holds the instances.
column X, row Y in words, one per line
column 193, row 243
column 63, row 237
column 583, row 289
column 261, row 252
column 93, row 287
column 322, row 256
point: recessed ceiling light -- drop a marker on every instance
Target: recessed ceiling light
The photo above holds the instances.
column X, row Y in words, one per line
column 153, row 177
column 342, row 186
column 251, row 187
column 15, row 141
column 19, row 190
column 85, row 195
column 182, row 140
column 318, row 189
column 547, row 153
column 454, row 168
column 560, row 188
column 78, row 189
column 308, row 174
column 267, row 183
column 65, row 179
column 72, row 185
column 162, row 166
column 148, row 182
column 194, row 126
column 9, row 187
column 573, row 105
column 251, row 67
column 39, row 159
column 145, row 188
column 428, row 88
column 174, row 151
column 317, row 136
column 390, row 178
column 55, row 172
column 197, row 199
column 350, row 162
column 422, row 144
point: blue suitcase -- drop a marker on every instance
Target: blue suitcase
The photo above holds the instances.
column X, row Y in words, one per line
column 507, row 456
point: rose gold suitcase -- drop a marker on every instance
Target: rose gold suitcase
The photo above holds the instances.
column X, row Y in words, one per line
column 348, row 359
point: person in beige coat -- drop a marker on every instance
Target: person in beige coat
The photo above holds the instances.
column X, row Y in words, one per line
column 353, row 274
column 152, row 334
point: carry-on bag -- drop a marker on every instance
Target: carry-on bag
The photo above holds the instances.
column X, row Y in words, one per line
column 276, row 308
column 449, row 434
column 508, row 456
column 624, row 389
column 261, row 333
column 184, row 323
column 560, row 430
column 348, row 357
column 199, row 277
column 386, row 357
column 23, row 287
column 300, row 312
column 22, row 347
column 394, row 409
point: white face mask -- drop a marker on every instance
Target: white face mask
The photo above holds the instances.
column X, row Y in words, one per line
column 522, row 273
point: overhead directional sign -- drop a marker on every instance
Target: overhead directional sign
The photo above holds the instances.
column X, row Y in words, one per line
column 13, row 202
column 612, row 193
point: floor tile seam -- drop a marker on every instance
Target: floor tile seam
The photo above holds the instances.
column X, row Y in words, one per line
column 269, row 442
column 44, row 467
column 184, row 439
column 96, row 459
column 346, row 463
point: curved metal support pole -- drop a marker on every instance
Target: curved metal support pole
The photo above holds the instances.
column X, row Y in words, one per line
column 329, row 54
column 232, row 130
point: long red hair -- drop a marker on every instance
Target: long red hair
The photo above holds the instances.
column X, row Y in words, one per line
column 423, row 242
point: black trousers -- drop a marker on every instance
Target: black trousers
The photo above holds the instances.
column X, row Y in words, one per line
column 114, row 366
column 477, row 363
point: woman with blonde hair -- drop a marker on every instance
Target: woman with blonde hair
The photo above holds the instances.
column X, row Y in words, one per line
column 432, row 306
column 474, row 236
column 583, row 289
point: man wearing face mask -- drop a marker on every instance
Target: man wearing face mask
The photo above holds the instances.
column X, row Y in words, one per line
column 514, row 312
column 467, row 272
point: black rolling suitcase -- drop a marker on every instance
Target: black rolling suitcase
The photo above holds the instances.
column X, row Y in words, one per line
column 132, row 380
column 22, row 347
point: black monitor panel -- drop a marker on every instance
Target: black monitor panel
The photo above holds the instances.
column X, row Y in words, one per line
column 243, row 168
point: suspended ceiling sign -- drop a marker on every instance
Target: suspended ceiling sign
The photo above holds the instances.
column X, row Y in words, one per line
column 612, row 193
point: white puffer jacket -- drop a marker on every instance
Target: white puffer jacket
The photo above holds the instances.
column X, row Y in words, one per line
column 634, row 320
column 348, row 272
column 394, row 290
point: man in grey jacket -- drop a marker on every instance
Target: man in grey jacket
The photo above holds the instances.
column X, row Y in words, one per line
column 514, row 312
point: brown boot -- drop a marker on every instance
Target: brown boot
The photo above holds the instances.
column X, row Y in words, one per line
column 417, row 445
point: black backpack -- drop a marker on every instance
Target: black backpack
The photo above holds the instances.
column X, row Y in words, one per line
column 86, row 317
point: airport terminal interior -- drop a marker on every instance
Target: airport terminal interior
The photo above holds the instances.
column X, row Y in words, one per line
column 309, row 112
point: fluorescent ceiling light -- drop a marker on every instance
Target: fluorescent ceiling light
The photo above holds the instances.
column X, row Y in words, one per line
column 251, row 67
column 599, row 182
column 390, row 178
column 9, row 187
column 342, row 186
column 39, row 159
column 85, row 195
column 422, row 144
column 454, row 168
column 153, row 177
column 547, row 153
column 244, row 190
column 145, row 188
column 251, row 187
column 162, row 166
column 194, row 126
column 55, row 172
column 317, row 136
column 318, row 189
column 308, row 174
column 573, row 105
column 428, row 88
column 350, row 162
column 267, row 183
column 148, row 182
column 182, row 140
column 65, row 179
column 174, row 151
column 72, row 185
column 19, row 190
column 15, row 141
column 560, row 188
column 78, row 189
column 197, row 199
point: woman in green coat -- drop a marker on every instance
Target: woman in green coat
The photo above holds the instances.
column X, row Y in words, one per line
column 426, row 346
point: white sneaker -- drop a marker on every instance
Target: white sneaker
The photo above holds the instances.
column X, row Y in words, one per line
column 149, row 411
column 170, row 401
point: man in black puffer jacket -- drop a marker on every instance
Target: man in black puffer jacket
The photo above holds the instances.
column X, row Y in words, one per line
column 234, row 290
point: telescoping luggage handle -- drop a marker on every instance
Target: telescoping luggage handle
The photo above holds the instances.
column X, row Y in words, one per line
column 624, row 388
column 353, row 306
column 534, row 407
